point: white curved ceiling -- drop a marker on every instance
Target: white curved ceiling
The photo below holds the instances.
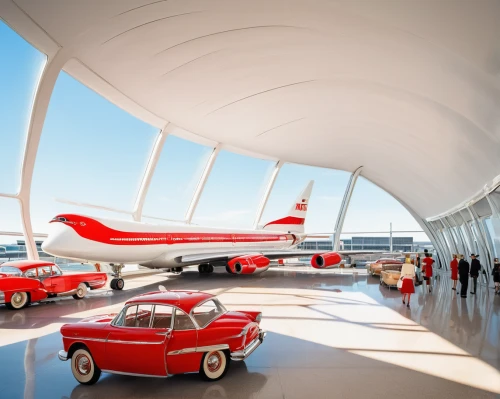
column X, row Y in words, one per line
column 408, row 89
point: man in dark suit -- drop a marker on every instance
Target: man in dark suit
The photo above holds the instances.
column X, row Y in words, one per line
column 475, row 268
column 463, row 276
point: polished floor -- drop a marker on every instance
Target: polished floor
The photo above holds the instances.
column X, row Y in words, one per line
column 330, row 334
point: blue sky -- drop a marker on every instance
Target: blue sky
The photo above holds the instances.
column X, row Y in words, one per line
column 91, row 151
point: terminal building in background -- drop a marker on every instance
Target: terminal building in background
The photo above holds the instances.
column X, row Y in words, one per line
column 360, row 243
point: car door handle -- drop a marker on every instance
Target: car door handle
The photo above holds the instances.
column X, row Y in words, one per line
column 166, row 333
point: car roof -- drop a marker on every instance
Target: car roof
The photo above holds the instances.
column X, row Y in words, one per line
column 183, row 299
column 24, row 265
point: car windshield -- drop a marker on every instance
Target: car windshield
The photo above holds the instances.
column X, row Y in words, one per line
column 207, row 311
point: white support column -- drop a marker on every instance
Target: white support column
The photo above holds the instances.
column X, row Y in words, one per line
column 267, row 193
column 201, row 184
column 488, row 262
column 433, row 236
column 148, row 175
column 39, row 112
column 343, row 208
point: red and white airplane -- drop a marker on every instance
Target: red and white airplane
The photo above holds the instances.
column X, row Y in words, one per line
column 240, row 251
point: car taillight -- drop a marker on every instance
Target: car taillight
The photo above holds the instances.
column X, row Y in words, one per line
column 258, row 318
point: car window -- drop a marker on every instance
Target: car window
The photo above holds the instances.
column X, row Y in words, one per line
column 14, row 271
column 30, row 273
column 162, row 317
column 207, row 311
column 44, row 271
column 56, row 271
column 182, row 321
column 135, row 316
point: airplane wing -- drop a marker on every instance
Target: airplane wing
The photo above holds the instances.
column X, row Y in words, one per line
column 192, row 259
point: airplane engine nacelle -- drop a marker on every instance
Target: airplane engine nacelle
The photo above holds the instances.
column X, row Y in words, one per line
column 249, row 264
column 325, row 261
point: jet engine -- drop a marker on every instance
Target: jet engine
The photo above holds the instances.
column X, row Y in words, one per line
column 248, row 264
column 325, row 261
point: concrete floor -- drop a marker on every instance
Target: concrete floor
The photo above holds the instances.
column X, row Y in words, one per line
column 329, row 335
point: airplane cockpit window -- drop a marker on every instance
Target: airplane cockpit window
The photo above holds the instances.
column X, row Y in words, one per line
column 59, row 219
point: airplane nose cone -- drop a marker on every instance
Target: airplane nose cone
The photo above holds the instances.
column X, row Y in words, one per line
column 56, row 243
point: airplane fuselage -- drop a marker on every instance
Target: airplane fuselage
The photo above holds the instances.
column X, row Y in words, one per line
column 84, row 238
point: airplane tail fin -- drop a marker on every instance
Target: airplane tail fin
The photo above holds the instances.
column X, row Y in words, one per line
column 296, row 217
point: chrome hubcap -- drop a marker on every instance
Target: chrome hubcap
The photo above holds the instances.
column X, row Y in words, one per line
column 17, row 298
column 214, row 362
column 83, row 364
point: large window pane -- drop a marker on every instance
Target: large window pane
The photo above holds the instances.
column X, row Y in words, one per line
column 91, row 151
column 20, row 68
column 233, row 191
column 371, row 209
column 11, row 247
column 177, row 174
column 326, row 198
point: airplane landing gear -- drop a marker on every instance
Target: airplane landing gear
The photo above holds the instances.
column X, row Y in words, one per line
column 117, row 283
column 205, row 268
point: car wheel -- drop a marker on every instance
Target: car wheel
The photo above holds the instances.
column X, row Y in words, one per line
column 83, row 367
column 81, row 291
column 210, row 268
column 18, row 301
column 214, row 365
column 119, row 284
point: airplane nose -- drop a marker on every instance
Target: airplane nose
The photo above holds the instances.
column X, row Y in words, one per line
column 55, row 244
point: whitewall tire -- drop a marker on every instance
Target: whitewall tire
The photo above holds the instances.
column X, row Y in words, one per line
column 81, row 291
column 214, row 365
column 18, row 300
column 83, row 367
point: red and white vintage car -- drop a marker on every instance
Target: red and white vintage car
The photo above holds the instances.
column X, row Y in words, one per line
column 24, row 282
column 159, row 334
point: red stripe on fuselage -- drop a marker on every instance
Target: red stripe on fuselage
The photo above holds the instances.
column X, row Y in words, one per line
column 96, row 231
column 288, row 220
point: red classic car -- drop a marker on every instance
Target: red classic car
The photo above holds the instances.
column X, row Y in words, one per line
column 159, row 334
column 24, row 282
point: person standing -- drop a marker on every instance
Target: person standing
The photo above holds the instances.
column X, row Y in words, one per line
column 496, row 275
column 428, row 261
column 407, row 276
column 454, row 271
column 475, row 268
column 463, row 274
column 418, row 276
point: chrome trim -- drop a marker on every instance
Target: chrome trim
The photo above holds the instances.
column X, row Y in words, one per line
column 134, row 374
column 243, row 354
column 245, row 329
column 76, row 337
column 2, row 297
column 210, row 348
column 117, row 341
column 62, row 355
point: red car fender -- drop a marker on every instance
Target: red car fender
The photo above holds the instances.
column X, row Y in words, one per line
column 11, row 285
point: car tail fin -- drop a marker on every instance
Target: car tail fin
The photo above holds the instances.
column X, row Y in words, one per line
column 294, row 221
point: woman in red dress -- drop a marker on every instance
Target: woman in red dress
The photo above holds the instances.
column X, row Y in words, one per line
column 428, row 261
column 454, row 271
column 407, row 276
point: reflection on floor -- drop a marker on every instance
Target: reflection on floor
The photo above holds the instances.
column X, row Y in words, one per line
column 330, row 335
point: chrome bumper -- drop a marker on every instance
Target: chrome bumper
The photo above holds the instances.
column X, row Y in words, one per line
column 63, row 355
column 243, row 354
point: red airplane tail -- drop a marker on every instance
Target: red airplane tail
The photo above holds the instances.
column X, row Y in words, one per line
column 294, row 221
